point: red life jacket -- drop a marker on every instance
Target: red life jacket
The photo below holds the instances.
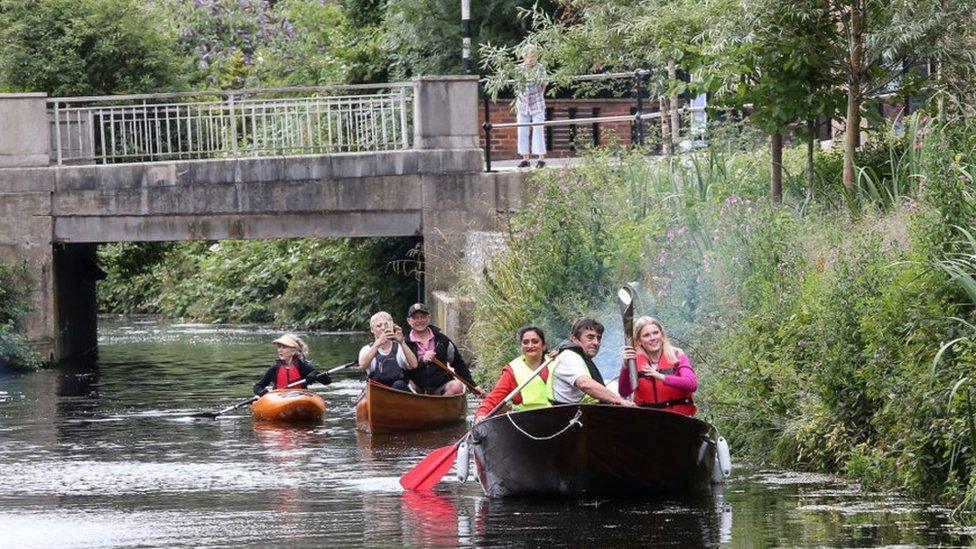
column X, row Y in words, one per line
column 287, row 374
column 652, row 393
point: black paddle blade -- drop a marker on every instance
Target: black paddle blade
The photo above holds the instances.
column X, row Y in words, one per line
column 204, row 415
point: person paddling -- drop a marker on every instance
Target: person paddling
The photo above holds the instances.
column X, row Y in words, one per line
column 292, row 365
column 427, row 343
column 532, row 343
column 573, row 376
column 665, row 379
column 387, row 358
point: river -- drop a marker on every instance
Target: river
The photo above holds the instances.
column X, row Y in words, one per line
column 100, row 453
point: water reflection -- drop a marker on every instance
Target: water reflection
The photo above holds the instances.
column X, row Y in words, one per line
column 99, row 454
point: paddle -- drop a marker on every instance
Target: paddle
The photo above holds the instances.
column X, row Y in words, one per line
column 215, row 415
column 426, row 474
column 626, row 297
column 448, row 369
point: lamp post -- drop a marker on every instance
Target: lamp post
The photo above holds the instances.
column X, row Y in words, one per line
column 466, row 36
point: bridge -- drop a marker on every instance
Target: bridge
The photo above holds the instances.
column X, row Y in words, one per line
column 343, row 161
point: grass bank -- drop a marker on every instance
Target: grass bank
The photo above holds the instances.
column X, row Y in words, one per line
column 834, row 332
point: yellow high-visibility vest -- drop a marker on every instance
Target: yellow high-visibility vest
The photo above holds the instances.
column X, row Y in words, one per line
column 535, row 394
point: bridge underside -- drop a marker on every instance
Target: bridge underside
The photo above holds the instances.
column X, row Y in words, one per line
column 52, row 218
column 256, row 226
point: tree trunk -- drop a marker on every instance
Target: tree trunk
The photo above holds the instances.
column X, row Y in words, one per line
column 852, row 138
column 811, row 128
column 776, row 146
column 675, row 113
column 665, row 131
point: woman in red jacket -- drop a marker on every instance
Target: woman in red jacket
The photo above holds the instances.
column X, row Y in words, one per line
column 665, row 378
column 532, row 343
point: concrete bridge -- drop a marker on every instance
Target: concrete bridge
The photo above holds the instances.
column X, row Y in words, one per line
column 72, row 177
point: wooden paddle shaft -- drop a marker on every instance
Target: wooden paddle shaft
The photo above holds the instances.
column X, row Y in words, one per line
column 457, row 376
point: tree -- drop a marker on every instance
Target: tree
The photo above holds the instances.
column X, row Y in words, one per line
column 779, row 58
column 587, row 36
column 84, row 47
column 424, row 36
column 882, row 39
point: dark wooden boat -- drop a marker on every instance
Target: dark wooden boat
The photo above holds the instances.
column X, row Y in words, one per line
column 593, row 450
column 384, row 409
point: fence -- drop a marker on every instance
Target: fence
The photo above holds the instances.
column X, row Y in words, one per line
column 692, row 118
column 241, row 123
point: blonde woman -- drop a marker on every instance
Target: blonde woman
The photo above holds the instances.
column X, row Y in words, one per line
column 291, row 365
column 387, row 358
column 666, row 380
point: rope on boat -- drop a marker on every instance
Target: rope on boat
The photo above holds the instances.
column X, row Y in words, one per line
column 574, row 421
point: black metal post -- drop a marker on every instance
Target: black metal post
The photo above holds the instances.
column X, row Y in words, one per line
column 639, row 84
column 487, row 127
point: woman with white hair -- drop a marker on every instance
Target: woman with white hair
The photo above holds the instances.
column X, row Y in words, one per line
column 386, row 359
column 292, row 365
column 530, row 107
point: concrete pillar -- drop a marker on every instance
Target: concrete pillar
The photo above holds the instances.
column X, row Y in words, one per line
column 445, row 112
column 24, row 131
column 26, row 227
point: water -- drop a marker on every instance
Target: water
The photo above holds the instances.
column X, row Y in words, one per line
column 103, row 456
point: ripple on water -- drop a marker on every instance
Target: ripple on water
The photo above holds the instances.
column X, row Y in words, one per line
column 77, row 478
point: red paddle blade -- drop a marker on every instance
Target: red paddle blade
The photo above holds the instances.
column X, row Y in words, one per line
column 426, row 474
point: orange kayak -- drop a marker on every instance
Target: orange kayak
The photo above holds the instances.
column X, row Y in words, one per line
column 289, row 405
column 385, row 410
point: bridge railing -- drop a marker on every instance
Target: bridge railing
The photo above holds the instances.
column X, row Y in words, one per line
column 231, row 124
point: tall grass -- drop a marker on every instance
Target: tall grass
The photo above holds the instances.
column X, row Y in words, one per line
column 821, row 319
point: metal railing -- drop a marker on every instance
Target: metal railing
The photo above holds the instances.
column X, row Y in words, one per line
column 636, row 119
column 231, row 124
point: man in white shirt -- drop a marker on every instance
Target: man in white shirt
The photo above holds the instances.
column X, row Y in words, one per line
column 574, row 378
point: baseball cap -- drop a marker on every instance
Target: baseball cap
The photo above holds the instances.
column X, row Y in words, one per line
column 417, row 307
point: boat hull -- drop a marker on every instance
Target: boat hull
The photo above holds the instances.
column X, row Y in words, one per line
column 609, row 451
column 289, row 406
column 385, row 410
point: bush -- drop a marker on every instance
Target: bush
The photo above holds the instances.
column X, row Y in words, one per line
column 85, row 47
column 333, row 284
column 837, row 334
column 15, row 289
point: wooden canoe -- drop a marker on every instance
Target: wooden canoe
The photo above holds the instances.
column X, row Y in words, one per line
column 589, row 450
column 289, row 406
column 384, row 409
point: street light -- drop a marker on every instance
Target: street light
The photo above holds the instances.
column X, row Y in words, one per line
column 466, row 36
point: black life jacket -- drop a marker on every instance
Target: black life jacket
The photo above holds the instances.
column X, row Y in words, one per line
column 387, row 368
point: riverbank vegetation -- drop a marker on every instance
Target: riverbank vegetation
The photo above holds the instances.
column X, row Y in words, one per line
column 15, row 288
column 832, row 333
column 826, row 297
column 330, row 284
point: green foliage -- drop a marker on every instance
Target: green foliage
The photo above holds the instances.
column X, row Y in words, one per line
column 85, row 47
column 827, row 334
column 424, row 36
column 15, row 290
column 333, row 284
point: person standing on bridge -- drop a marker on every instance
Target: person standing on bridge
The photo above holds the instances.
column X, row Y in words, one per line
column 530, row 107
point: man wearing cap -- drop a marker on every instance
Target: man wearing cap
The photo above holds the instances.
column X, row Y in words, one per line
column 427, row 342
column 291, row 366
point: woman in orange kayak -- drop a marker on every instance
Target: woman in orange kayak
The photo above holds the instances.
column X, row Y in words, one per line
column 665, row 378
column 292, row 365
